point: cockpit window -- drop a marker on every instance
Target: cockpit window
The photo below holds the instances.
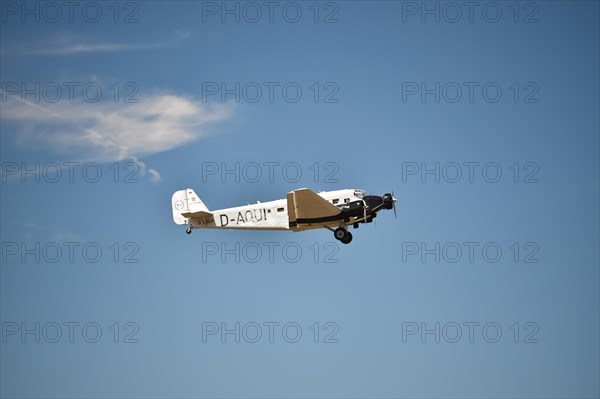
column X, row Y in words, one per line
column 359, row 193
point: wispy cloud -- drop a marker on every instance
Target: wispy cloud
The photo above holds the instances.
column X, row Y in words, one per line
column 153, row 173
column 107, row 132
column 68, row 44
column 31, row 232
column 89, row 48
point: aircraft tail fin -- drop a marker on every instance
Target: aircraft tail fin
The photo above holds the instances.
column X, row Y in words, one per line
column 184, row 203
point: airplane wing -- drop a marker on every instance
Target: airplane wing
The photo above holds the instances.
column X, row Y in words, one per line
column 306, row 206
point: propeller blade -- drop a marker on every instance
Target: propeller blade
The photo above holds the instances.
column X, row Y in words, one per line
column 394, row 205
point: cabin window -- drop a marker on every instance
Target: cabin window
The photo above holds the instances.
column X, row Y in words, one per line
column 279, row 209
column 335, row 201
column 346, row 200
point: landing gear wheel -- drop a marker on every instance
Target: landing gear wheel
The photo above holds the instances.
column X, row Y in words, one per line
column 347, row 239
column 189, row 230
column 340, row 233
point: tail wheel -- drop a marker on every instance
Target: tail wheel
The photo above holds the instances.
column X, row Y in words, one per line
column 189, row 230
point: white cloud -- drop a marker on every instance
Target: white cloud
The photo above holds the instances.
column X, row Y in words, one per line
column 154, row 176
column 89, row 48
column 108, row 131
column 32, row 232
column 67, row 44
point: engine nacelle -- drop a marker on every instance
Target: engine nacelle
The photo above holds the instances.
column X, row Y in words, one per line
column 388, row 201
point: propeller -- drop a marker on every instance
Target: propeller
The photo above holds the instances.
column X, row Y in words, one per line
column 394, row 205
column 365, row 211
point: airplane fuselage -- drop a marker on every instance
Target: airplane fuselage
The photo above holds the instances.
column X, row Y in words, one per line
column 271, row 215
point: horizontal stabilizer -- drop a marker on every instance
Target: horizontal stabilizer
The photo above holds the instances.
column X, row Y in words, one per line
column 196, row 215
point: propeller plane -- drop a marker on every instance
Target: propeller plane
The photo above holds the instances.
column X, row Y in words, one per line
column 302, row 209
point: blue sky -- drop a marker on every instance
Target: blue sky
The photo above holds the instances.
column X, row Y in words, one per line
column 483, row 121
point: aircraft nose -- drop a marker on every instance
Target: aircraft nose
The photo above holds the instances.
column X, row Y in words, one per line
column 388, row 200
column 391, row 202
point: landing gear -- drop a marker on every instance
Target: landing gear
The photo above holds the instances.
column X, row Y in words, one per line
column 342, row 235
column 189, row 230
column 347, row 239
